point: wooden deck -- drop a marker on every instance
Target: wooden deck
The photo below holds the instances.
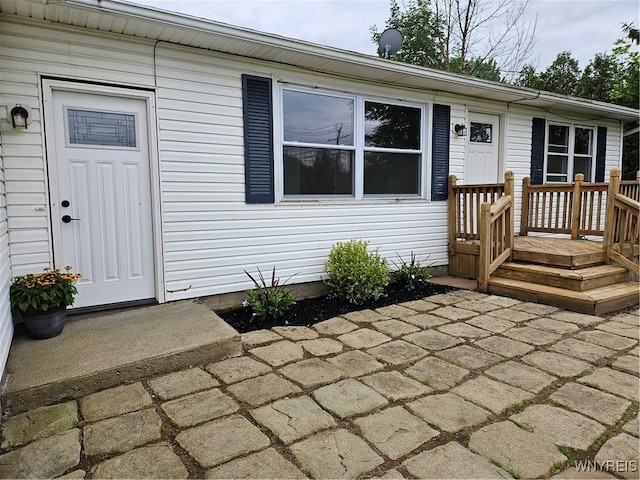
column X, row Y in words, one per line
column 558, row 251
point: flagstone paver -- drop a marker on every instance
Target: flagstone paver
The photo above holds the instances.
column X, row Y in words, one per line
column 582, row 350
column 560, row 426
column 397, row 352
column 602, row 406
column 395, row 328
column 265, row 464
column 181, row 383
column 155, row 461
column 312, row 372
column 420, row 305
column 336, row 454
column 293, row 418
column 395, row 311
column 557, row 364
column 538, row 309
column 635, row 351
column 395, row 432
column 364, row 316
column 259, row 390
column 445, row 298
column 529, row 455
column 622, row 451
column 425, row 320
column 495, row 396
column 321, row 347
column 259, row 337
column 628, row 364
column 513, row 315
column 630, row 318
column 123, row 433
column 237, row 369
column 363, row 338
column 606, row 339
column 392, row 474
column 533, row 336
column 621, row 328
column 615, row 382
column 552, row 325
column 348, row 398
column 335, row 326
column 454, row 313
column 39, row 423
column 580, row 319
column 279, row 353
column 448, row 412
column 437, row 373
column 477, row 306
column 505, row 347
column 632, row 427
column 395, row 386
column 469, row 357
column 45, row 458
column 461, row 329
column 452, row 460
column 572, row 473
column 114, row 401
column 520, row 375
column 296, row 333
column 356, row 363
column 199, row 407
column 504, row 302
column 491, row 323
column 433, row 340
column 221, row 440
column 75, row 474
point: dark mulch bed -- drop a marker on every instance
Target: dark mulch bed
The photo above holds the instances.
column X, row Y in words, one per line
column 308, row 311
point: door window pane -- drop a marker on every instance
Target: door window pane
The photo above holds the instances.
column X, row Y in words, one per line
column 101, row 128
column 391, row 173
column 318, row 171
column 319, row 119
column 481, row 132
column 391, row 126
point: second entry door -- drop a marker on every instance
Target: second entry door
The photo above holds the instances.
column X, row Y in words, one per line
column 482, row 161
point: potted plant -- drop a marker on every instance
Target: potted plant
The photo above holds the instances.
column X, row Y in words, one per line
column 42, row 300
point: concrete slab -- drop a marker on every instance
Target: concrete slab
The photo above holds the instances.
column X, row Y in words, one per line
column 103, row 350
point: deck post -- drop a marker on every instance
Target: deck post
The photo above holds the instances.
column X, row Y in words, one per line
column 484, row 261
column 510, row 227
column 609, row 221
column 575, row 207
column 524, row 211
column 453, row 215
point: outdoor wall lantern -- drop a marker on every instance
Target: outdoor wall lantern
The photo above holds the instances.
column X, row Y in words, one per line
column 460, row 129
column 19, row 116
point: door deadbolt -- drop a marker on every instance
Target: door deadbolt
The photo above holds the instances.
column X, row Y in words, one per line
column 68, row 219
column 65, row 203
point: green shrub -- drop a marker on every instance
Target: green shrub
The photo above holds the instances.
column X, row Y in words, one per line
column 269, row 302
column 411, row 275
column 355, row 274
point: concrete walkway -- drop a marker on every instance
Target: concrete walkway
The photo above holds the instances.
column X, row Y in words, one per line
column 460, row 385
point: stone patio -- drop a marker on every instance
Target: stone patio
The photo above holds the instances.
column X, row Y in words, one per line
column 461, row 385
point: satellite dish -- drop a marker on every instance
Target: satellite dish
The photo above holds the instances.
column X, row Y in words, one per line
column 390, row 42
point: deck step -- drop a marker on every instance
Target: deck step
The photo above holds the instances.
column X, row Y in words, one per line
column 577, row 280
column 596, row 301
column 565, row 260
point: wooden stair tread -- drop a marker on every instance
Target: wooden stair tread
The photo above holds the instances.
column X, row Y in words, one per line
column 584, row 273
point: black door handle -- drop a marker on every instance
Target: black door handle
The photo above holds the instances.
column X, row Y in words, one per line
column 68, row 219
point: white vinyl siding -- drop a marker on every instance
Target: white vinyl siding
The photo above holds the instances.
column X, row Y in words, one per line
column 6, row 323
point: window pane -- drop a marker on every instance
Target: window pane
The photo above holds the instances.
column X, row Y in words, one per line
column 481, row 132
column 582, row 165
column 318, row 171
column 101, row 128
column 391, row 126
column 584, row 141
column 391, row 173
column 559, row 136
column 557, row 164
column 314, row 118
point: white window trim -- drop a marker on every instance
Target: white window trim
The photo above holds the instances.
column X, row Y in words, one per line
column 571, row 153
column 358, row 146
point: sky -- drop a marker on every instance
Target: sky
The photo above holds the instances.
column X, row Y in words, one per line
column 583, row 27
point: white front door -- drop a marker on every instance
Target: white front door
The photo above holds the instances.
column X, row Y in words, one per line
column 101, row 195
column 482, row 162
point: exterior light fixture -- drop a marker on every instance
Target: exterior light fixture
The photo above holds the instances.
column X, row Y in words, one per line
column 19, row 116
column 460, row 129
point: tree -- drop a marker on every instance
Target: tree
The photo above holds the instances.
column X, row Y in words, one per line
column 561, row 76
column 476, row 37
column 598, row 78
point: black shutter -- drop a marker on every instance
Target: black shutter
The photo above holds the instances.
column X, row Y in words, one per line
column 538, row 134
column 440, row 155
column 257, row 108
column 601, row 151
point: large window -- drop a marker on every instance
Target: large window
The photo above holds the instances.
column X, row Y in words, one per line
column 347, row 146
column 569, row 151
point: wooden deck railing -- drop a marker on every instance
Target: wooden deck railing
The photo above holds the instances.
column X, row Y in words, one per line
column 621, row 239
column 575, row 209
